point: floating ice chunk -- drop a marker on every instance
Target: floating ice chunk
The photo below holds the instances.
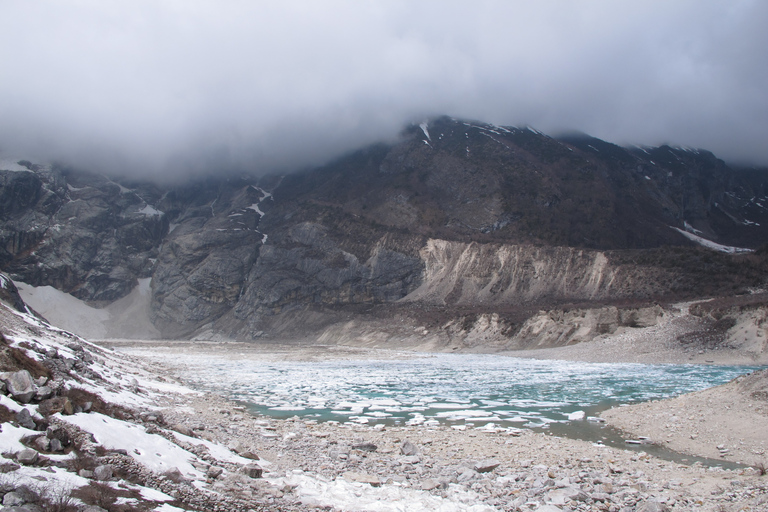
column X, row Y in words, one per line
column 576, row 415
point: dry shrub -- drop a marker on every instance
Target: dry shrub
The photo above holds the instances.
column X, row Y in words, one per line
column 79, row 396
column 106, row 496
column 14, row 359
column 6, row 414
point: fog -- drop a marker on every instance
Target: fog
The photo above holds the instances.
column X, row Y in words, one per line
column 166, row 88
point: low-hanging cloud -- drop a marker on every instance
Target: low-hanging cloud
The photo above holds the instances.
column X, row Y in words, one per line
column 168, row 87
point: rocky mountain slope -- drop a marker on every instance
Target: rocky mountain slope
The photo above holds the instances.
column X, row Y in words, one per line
column 461, row 218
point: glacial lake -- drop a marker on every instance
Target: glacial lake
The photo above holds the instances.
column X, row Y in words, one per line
column 454, row 389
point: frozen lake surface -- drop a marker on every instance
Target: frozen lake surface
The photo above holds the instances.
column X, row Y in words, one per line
column 446, row 388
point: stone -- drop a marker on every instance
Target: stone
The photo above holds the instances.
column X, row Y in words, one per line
column 252, row 471
column 59, row 433
column 351, row 476
column 365, row 447
column 59, row 404
column 249, row 455
column 103, row 472
column 43, row 392
column 55, row 445
column 183, row 430
column 411, row 459
column 430, row 484
column 85, row 473
column 174, row 475
column 563, row 495
column 20, row 385
column 24, row 419
column 214, row 472
column 487, row 465
column 43, row 444
column 27, row 456
column 651, row 506
column 12, row 499
column 408, row 448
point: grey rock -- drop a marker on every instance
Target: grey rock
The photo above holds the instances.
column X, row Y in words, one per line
column 214, row 472
column 487, row 465
column 20, row 385
column 366, row 447
column 12, row 499
column 27, row 456
column 19, row 496
column 93, row 508
column 43, row 392
column 252, row 471
column 55, row 445
column 183, row 430
column 408, row 448
column 103, row 472
column 24, row 418
column 43, row 444
column 86, row 473
column 352, row 476
column 651, row 506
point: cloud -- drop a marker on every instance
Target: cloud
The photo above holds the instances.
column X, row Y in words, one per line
column 195, row 85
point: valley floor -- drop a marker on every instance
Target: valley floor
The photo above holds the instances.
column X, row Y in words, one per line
column 328, row 464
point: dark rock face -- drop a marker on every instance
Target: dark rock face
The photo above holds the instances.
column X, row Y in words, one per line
column 83, row 234
column 454, row 214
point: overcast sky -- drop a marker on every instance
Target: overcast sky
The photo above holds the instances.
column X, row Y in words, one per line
column 161, row 86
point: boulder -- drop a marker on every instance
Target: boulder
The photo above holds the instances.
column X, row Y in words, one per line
column 252, row 470
column 43, row 392
column 43, row 444
column 408, row 448
column 20, row 385
column 103, row 472
column 366, row 447
column 487, row 465
column 214, row 472
column 24, row 419
column 59, row 404
column 364, row 478
column 183, row 430
column 27, row 456
column 651, row 506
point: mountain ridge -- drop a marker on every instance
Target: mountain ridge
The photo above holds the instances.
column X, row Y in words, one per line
column 238, row 256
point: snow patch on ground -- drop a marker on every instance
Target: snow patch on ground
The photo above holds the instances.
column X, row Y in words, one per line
column 154, row 451
column 355, row 496
column 125, row 318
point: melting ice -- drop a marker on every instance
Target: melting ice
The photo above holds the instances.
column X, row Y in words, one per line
column 451, row 388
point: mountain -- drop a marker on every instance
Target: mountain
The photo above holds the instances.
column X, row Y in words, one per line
column 453, row 221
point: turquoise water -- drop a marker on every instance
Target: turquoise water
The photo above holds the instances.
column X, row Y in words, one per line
column 455, row 389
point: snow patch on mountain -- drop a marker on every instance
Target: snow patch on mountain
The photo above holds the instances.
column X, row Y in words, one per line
column 709, row 244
